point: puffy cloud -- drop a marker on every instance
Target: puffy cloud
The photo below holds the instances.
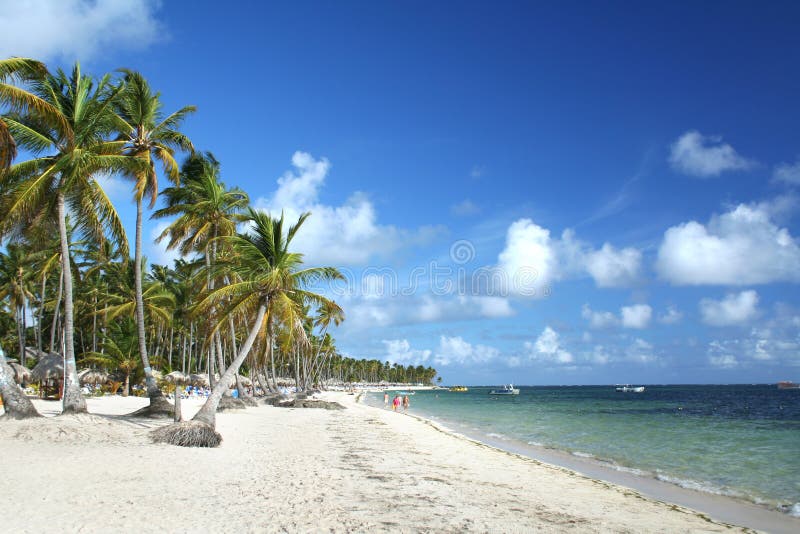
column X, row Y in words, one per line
column 787, row 173
column 599, row 355
column 400, row 351
column 705, row 156
column 740, row 247
column 454, row 350
column 636, row 316
column 734, row 309
column 640, row 351
column 671, row 316
column 72, row 29
column 599, row 319
column 338, row 235
column 533, row 259
column 465, row 208
column 725, row 361
column 547, row 347
column 614, row 268
column 158, row 253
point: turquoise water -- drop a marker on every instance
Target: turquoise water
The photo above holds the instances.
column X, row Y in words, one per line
column 742, row 441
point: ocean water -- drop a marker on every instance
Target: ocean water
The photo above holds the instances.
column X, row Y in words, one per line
column 741, row 440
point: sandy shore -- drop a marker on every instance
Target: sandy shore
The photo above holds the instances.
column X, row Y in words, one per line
column 298, row 470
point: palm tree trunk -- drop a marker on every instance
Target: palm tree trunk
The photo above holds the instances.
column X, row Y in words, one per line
column 41, row 313
column 157, row 400
column 15, row 403
column 207, row 413
column 73, row 399
column 56, row 311
column 19, row 312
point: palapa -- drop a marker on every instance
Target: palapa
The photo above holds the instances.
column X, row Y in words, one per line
column 50, row 367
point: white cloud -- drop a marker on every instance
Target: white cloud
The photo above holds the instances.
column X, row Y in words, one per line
column 740, row 247
column 465, row 208
column 787, row 173
column 640, row 351
column 705, row 156
column 349, row 234
column 547, row 347
column 725, row 361
column 532, row 260
column 734, row 309
column 614, row 268
column 158, row 253
column 636, row 316
column 599, row 355
column 400, row 351
column 77, row 29
column 599, row 319
column 671, row 316
column 454, row 350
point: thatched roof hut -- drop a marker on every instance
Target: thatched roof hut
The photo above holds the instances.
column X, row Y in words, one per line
column 34, row 353
column 21, row 373
column 50, row 366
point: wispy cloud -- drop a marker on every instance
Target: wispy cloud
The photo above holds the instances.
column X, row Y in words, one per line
column 705, row 156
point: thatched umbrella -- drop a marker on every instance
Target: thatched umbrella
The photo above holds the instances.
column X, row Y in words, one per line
column 176, row 377
column 92, row 376
column 199, row 380
column 32, row 353
column 243, row 380
column 22, row 374
column 50, row 366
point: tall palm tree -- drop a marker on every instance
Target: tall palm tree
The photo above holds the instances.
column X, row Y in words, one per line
column 70, row 153
column 268, row 273
column 206, row 209
column 15, row 285
column 150, row 137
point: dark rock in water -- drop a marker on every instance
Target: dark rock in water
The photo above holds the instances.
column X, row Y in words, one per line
column 229, row 403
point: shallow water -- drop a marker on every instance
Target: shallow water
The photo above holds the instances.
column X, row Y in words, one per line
column 740, row 440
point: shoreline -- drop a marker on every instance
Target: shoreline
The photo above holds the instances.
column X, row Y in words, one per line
column 724, row 508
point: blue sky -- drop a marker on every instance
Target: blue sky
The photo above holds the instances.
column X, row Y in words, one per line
column 626, row 174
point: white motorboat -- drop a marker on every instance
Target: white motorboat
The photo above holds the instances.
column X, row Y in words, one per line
column 505, row 390
column 630, row 389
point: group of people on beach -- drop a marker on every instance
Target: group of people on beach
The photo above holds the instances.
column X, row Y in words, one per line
column 396, row 402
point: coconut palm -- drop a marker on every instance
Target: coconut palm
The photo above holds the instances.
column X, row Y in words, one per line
column 69, row 155
column 15, row 285
column 150, row 137
column 268, row 274
column 15, row 403
column 205, row 209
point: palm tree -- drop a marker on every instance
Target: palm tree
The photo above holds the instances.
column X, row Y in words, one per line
column 14, row 72
column 76, row 149
column 268, row 273
column 206, row 209
column 15, row 279
column 150, row 137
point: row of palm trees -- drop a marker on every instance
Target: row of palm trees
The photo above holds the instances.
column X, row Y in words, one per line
column 240, row 298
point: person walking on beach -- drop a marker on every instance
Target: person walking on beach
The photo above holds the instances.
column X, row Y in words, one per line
column 385, row 400
column 405, row 404
column 396, row 403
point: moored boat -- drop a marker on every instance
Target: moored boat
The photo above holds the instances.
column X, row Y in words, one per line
column 630, row 389
column 788, row 385
column 459, row 389
column 505, row 390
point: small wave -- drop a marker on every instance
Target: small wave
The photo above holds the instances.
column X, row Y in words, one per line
column 496, row 436
column 536, row 444
column 698, row 486
column 795, row 510
column 582, row 454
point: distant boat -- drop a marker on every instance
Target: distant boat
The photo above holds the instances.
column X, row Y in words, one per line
column 505, row 390
column 788, row 385
column 459, row 389
column 630, row 389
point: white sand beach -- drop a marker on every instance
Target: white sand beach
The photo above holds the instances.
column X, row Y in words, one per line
column 298, row 470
